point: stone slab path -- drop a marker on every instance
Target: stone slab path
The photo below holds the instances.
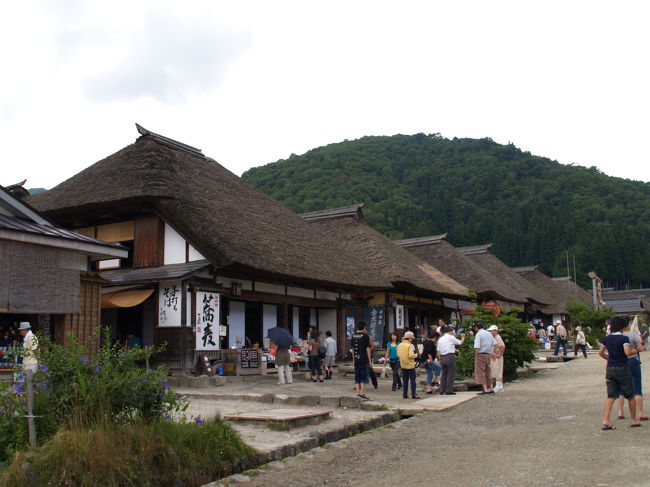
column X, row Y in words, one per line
column 542, row 431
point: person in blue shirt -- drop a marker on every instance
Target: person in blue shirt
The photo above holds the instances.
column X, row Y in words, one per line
column 616, row 348
column 393, row 360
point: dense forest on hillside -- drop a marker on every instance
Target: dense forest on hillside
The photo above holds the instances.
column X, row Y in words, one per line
column 534, row 210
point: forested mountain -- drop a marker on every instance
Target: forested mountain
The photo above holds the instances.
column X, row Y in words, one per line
column 531, row 208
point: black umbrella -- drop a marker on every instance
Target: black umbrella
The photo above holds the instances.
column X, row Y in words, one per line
column 280, row 336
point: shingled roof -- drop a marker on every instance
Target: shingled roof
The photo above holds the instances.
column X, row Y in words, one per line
column 395, row 264
column 481, row 255
column 438, row 252
column 234, row 225
column 560, row 289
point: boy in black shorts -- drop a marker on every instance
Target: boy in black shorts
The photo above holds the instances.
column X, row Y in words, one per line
column 616, row 349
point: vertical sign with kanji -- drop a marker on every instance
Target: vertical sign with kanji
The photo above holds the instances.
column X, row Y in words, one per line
column 207, row 321
column 169, row 303
column 399, row 317
column 375, row 318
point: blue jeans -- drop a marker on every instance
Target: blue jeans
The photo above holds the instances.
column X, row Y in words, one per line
column 558, row 342
column 409, row 375
column 433, row 370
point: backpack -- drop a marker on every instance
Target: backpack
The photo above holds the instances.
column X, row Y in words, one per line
column 321, row 351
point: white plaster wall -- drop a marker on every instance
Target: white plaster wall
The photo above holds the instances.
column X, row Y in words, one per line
column 195, row 255
column 174, row 247
column 236, row 323
column 295, row 326
column 327, row 321
column 269, row 318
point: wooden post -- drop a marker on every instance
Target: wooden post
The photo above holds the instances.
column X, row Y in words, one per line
column 31, row 426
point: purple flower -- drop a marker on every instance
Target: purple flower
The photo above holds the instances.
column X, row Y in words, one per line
column 168, row 417
column 198, row 420
column 44, row 387
column 84, row 359
column 20, row 378
column 43, row 368
column 97, row 368
column 19, row 389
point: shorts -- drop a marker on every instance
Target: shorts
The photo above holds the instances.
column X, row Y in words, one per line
column 361, row 374
column 619, row 382
column 329, row 360
column 635, row 370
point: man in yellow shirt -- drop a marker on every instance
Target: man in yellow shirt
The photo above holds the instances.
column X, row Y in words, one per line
column 407, row 356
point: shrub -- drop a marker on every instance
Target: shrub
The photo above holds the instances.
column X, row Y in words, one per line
column 592, row 321
column 74, row 389
column 519, row 346
column 143, row 454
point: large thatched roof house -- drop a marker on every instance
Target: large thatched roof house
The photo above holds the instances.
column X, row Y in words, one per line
column 437, row 251
column 415, row 284
column 561, row 290
column 193, row 228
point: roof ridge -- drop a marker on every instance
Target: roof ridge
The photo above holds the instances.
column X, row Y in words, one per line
column 352, row 211
column 171, row 143
column 474, row 249
column 419, row 241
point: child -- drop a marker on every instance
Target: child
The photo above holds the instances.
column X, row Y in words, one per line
column 616, row 349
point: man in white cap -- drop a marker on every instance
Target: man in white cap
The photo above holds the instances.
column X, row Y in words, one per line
column 30, row 344
column 484, row 344
column 496, row 366
column 560, row 339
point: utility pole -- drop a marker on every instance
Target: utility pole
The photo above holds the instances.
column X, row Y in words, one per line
column 596, row 290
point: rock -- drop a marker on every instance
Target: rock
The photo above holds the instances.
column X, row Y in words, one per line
column 218, row 381
column 330, row 401
column 408, row 412
column 310, row 400
column 350, row 402
column 280, row 399
column 239, row 478
column 370, row 405
column 267, row 398
column 295, row 400
column 461, row 387
column 201, row 382
column 251, row 397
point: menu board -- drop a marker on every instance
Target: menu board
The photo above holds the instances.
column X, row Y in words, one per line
column 250, row 358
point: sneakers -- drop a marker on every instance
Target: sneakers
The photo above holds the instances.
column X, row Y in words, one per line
column 363, row 397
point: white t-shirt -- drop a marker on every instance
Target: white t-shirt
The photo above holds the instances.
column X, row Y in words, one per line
column 447, row 344
column 550, row 330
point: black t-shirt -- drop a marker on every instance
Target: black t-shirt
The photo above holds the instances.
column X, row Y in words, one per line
column 429, row 348
column 360, row 344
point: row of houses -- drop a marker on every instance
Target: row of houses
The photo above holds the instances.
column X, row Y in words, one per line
column 171, row 247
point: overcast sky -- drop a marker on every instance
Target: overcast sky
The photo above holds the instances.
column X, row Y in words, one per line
column 250, row 82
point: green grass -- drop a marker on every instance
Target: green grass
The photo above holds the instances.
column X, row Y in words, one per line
column 138, row 455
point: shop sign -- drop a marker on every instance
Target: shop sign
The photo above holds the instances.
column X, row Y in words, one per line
column 169, row 303
column 399, row 317
column 207, row 321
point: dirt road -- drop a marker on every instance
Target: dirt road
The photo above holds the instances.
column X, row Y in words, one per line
column 542, row 431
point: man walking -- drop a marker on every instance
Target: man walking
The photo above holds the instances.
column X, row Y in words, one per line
column 361, row 358
column 560, row 339
column 484, row 344
column 407, row 356
column 447, row 357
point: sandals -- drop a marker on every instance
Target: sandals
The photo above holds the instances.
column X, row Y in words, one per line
column 635, row 425
column 608, row 427
column 643, row 418
column 620, row 416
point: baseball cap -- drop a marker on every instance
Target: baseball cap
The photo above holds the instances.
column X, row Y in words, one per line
column 493, row 327
column 409, row 335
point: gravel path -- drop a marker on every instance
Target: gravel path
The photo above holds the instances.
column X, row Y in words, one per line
column 542, row 431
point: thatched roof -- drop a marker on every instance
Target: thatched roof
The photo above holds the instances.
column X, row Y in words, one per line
column 560, row 289
column 481, row 255
column 438, row 252
column 395, row 264
column 234, row 225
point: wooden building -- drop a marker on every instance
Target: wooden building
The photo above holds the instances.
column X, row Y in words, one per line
column 437, row 251
column 562, row 290
column 44, row 273
column 204, row 245
column 416, row 294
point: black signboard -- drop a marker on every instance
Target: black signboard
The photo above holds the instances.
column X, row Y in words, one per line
column 375, row 318
column 250, row 359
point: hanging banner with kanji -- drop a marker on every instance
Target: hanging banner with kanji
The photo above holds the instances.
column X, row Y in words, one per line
column 169, row 303
column 207, row 321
